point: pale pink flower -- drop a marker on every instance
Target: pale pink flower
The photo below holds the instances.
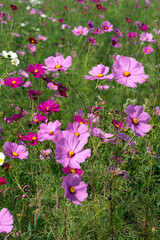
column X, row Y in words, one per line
column 6, row 223
column 54, row 64
column 80, row 31
column 99, row 72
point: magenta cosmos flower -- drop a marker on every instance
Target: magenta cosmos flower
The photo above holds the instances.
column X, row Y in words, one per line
column 2, row 181
column 127, row 71
column 31, row 137
column 6, row 223
column 137, row 120
column 13, row 82
column 147, row 50
column 132, row 35
column 37, row 70
column 69, row 170
column 68, row 151
column 47, row 131
column 54, row 64
column 75, row 189
column 99, row 72
column 80, row 31
column 118, row 32
column 107, row 26
column 14, row 150
column 48, row 107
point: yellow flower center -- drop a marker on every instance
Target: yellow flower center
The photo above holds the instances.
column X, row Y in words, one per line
column 80, row 31
column 47, row 108
column 14, row 154
column 153, row 152
column 34, row 138
column 22, row 74
column 106, row 27
column 36, row 120
column 147, row 50
column 58, row 66
column 36, row 71
column 76, row 134
column 46, row 154
column 51, row 132
column 1, row 160
column 73, row 170
column 81, row 122
column 13, row 82
column 72, row 190
column 32, row 41
column 71, row 154
column 126, row 73
column 117, row 125
column 99, row 75
column 135, row 121
column 52, row 86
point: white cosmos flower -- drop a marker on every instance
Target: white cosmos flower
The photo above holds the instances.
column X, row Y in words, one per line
column 15, row 61
column 2, row 157
column 10, row 54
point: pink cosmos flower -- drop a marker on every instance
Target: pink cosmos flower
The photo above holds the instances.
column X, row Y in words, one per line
column 52, row 86
column 42, row 38
column 69, row 170
column 14, row 150
column 132, row 35
column 147, row 50
column 13, row 82
column 145, row 77
column 107, row 26
column 115, row 43
column 6, row 223
column 68, row 151
column 157, row 111
column 146, row 37
column 75, row 189
column 31, row 137
column 137, row 120
column 99, row 72
column 1, row 82
column 31, row 47
column 54, row 64
column 45, row 154
column 152, row 153
column 127, row 71
column 99, row 31
column 80, row 31
column 15, row 34
column 48, row 107
column 79, row 130
column 39, row 118
column 92, row 40
column 21, row 53
column 116, row 30
column 47, row 131
column 23, row 73
column 97, row 132
column 103, row 87
column 37, row 70
column 128, row 20
column 2, row 182
column 27, row 84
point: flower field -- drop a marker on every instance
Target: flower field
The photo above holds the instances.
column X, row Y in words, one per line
column 80, row 119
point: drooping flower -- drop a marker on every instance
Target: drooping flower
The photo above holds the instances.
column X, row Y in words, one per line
column 2, row 182
column 48, row 107
column 127, row 71
column 97, row 132
column 118, row 125
column 21, row 53
column 27, row 84
column 69, row 170
column 80, row 31
column 45, row 154
column 14, row 150
column 13, row 82
column 47, row 131
column 75, row 189
column 23, row 73
column 107, row 26
column 68, row 151
column 137, row 120
column 157, row 111
column 54, row 64
column 32, row 94
column 31, row 137
column 6, row 223
column 99, row 72
column 147, row 50
column 37, row 70
column 2, row 157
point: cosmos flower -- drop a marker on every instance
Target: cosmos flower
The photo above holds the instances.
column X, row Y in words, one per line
column 75, row 189
column 97, row 132
column 39, row 118
column 68, row 151
column 52, row 86
column 37, row 70
column 107, row 26
column 132, row 35
column 45, row 154
column 6, row 223
column 23, row 73
column 137, row 120
column 14, row 150
column 54, row 64
column 146, row 37
column 48, row 107
column 13, row 82
column 9, row 54
column 21, row 53
column 80, row 31
column 32, row 40
column 42, row 38
column 31, row 47
column 127, row 71
column 2, row 157
column 31, row 137
column 47, row 131
column 99, row 72
column 2, row 182
column 147, row 50
column 152, row 153
column 118, row 32
column 79, row 130
column 69, row 170
column 157, row 111
column 103, row 87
